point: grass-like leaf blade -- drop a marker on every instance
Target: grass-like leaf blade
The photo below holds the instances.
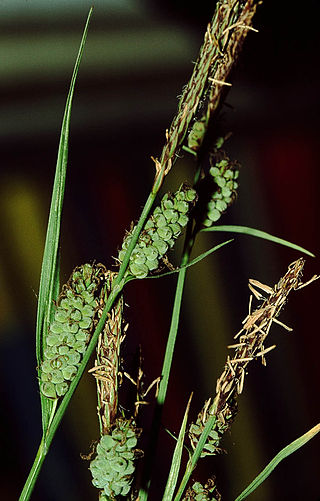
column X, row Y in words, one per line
column 286, row 451
column 49, row 279
column 245, row 230
column 195, row 457
column 49, row 282
column 191, row 263
column 176, row 458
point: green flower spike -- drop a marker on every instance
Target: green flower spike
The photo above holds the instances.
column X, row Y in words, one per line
column 160, row 232
column 113, row 467
column 225, row 174
column 70, row 330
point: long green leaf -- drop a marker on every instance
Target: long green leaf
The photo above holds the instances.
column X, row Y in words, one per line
column 191, row 263
column 286, row 451
column 245, row 230
column 176, row 458
column 49, row 279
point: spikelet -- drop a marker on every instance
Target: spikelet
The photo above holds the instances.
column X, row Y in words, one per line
column 160, row 232
column 224, row 173
column 113, row 467
column 70, row 331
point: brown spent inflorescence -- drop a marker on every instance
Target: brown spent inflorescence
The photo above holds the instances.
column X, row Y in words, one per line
column 250, row 346
column 222, row 44
column 106, row 368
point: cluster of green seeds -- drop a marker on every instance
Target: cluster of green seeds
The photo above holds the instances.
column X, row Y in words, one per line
column 222, row 424
column 225, row 174
column 160, row 232
column 70, row 330
column 198, row 492
column 211, row 446
column 196, row 135
column 113, row 467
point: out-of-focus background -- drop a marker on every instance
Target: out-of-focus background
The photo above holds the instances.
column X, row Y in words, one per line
column 138, row 56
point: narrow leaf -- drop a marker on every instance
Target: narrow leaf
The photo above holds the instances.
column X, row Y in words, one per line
column 176, row 458
column 49, row 273
column 289, row 449
column 195, row 457
column 191, row 263
column 245, row 230
column 207, row 253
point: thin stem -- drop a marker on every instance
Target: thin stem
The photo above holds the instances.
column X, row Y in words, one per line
column 34, row 472
column 135, row 235
column 195, row 456
column 166, row 368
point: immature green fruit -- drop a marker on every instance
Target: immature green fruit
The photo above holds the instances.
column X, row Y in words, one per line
column 70, row 331
column 113, row 467
column 225, row 174
column 211, row 446
column 198, row 492
column 160, row 232
column 196, row 135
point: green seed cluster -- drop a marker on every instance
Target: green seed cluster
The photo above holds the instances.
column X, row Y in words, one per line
column 196, row 135
column 113, row 467
column 70, row 330
column 224, row 174
column 220, row 427
column 198, row 492
column 212, row 444
column 160, row 232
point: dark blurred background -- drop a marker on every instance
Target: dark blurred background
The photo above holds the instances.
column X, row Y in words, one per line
column 138, row 56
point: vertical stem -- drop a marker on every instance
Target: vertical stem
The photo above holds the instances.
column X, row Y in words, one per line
column 34, row 472
column 166, row 368
column 194, row 459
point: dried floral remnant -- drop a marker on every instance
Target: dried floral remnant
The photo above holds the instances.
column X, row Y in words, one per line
column 106, row 368
column 249, row 347
column 222, row 44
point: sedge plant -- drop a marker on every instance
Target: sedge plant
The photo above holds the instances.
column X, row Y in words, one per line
column 86, row 314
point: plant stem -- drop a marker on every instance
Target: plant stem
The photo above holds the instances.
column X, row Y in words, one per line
column 166, row 368
column 34, row 472
column 195, row 456
column 135, row 235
